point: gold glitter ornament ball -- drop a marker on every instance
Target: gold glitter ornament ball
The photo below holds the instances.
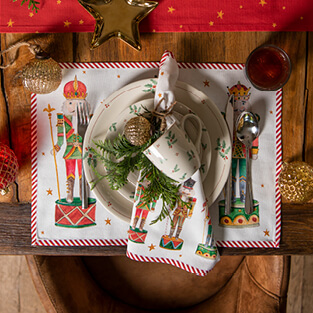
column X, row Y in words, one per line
column 137, row 130
column 41, row 75
column 296, row 181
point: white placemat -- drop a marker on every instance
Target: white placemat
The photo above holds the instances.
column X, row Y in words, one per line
column 99, row 227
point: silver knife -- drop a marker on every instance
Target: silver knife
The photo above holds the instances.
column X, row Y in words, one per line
column 229, row 117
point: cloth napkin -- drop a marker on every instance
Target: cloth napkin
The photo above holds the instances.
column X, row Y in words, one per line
column 185, row 238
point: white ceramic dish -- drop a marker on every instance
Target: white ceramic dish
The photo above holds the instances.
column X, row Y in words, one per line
column 110, row 116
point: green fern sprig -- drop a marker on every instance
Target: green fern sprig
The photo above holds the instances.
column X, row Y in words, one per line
column 117, row 172
column 120, row 158
column 119, row 147
column 32, row 4
column 160, row 187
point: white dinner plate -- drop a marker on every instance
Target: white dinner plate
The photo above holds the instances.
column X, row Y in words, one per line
column 108, row 120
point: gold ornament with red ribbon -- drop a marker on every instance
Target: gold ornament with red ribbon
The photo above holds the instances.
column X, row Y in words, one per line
column 8, row 168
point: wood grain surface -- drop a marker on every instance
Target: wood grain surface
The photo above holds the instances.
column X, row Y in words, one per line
column 297, row 220
column 300, row 288
column 17, row 291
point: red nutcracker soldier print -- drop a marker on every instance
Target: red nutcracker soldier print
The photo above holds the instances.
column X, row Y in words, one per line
column 184, row 209
column 138, row 234
column 238, row 217
column 208, row 249
column 68, row 210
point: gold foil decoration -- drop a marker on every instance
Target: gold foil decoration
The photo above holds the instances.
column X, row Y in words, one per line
column 296, row 181
column 137, row 130
column 118, row 18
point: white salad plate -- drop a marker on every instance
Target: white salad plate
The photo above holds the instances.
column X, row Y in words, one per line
column 109, row 120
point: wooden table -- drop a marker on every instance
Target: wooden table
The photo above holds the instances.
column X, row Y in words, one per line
column 297, row 125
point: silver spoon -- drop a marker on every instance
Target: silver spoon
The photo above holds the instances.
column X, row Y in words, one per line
column 247, row 130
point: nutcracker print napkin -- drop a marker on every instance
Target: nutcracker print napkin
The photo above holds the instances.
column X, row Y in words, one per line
column 58, row 222
column 186, row 238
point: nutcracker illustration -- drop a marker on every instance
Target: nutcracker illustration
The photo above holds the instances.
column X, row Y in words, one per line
column 238, row 217
column 183, row 210
column 241, row 103
column 75, row 93
column 207, row 250
column 138, row 235
column 68, row 211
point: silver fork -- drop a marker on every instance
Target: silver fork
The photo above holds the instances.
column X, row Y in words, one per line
column 83, row 118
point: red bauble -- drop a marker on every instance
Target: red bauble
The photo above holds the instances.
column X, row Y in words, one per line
column 8, row 168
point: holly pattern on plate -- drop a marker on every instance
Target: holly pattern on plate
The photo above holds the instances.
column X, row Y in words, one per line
column 113, row 127
column 184, row 176
column 222, row 149
column 176, row 169
column 151, row 86
column 134, row 109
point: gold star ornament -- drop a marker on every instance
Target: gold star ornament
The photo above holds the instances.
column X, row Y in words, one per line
column 118, row 18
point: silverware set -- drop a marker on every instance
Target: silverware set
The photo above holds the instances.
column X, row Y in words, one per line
column 229, row 116
column 247, row 130
column 83, row 118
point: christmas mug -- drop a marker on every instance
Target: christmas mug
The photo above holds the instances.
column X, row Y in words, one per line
column 174, row 153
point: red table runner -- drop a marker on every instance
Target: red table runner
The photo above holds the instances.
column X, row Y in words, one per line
column 169, row 16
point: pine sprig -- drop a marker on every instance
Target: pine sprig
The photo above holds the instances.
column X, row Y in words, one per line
column 119, row 147
column 120, row 158
column 32, row 5
column 117, row 172
column 160, row 187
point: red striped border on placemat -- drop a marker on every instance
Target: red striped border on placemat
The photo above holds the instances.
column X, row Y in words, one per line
column 173, row 262
column 182, row 65
column 81, row 242
column 33, row 130
column 122, row 65
column 246, row 244
column 109, row 65
column 279, row 158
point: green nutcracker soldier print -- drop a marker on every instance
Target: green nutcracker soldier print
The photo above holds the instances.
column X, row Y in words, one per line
column 68, row 210
column 237, row 216
column 184, row 209
column 208, row 249
column 138, row 234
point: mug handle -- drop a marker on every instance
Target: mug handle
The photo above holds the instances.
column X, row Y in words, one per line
column 199, row 135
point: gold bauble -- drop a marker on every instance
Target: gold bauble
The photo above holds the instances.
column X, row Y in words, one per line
column 41, row 75
column 296, row 181
column 137, row 130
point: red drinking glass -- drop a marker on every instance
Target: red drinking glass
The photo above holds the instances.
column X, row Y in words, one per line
column 268, row 67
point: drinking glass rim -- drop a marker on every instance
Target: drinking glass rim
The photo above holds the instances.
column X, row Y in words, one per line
column 280, row 50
